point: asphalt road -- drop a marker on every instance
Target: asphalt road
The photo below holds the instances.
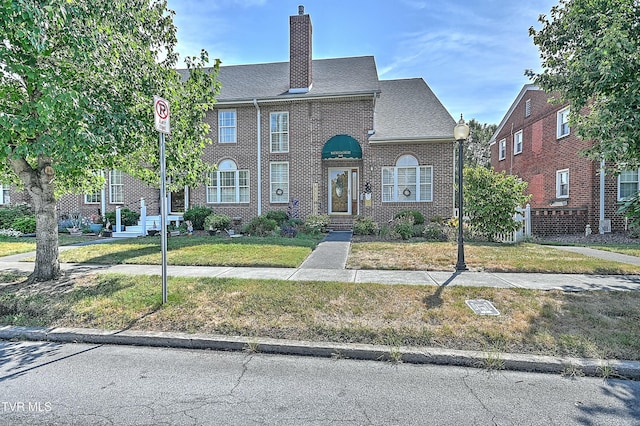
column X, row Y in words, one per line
column 50, row 383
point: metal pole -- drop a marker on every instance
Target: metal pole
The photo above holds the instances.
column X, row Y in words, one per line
column 163, row 218
column 460, row 265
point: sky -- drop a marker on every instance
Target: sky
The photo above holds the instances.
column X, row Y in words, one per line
column 472, row 53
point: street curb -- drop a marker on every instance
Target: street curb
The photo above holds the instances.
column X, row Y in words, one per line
column 619, row 369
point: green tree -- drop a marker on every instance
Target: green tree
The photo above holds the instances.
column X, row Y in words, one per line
column 590, row 51
column 77, row 80
column 477, row 151
column 491, row 200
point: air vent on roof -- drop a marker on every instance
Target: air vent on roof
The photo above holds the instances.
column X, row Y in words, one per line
column 301, row 10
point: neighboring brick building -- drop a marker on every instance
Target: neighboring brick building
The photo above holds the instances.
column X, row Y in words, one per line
column 534, row 141
column 326, row 133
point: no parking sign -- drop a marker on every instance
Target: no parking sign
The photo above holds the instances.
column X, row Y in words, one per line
column 161, row 114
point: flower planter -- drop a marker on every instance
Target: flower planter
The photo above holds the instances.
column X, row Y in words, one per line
column 95, row 227
column 152, row 232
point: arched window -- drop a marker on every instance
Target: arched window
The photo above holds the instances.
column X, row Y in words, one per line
column 407, row 181
column 228, row 184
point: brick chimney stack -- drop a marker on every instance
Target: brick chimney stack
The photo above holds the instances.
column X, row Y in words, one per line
column 300, row 68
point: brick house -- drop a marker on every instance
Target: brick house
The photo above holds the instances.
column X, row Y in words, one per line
column 535, row 142
column 326, row 134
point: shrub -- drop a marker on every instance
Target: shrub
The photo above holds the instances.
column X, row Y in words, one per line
column 491, row 200
column 437, row 232
column 197, row 215
column 418, row 218
column 365, row 226
column 278, row 215
column 316, row 224
column 260, row 226
column 217, row 222
column 403, row 226
column 25, row 224
column 10, row 213
column 128, row 217
column 288, row 231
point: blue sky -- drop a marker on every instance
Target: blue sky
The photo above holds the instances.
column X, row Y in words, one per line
column 472, row 53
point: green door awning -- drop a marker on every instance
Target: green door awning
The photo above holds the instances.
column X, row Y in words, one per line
column 341, row 146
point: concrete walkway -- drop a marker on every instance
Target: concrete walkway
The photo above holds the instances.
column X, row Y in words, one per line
column 331, row 253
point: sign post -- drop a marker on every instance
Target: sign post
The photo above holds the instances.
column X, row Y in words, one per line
column 161, row 116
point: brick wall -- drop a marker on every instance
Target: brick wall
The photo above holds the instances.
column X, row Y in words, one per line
column 546, row 222
column 543, row 155
column 311, row 124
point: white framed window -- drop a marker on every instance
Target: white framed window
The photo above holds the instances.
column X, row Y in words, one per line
column 563, row 123
column 227, row 126
column 279, row 190
column 562, row 183
column 5, row 198
column 407, row 181
column 527, row 108
column 228, row 184
column 94, row 198
column 517, row 142
column 279, row 130
column 116, row 187
column 502, row 149
column 628, row 183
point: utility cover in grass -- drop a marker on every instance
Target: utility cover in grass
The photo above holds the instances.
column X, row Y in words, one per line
column 482, row 307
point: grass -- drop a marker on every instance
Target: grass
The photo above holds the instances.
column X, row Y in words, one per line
column 203, row 251
column 601, row 325
column 523, row 257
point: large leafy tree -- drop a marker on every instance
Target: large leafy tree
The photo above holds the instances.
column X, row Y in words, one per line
column 477, row 151
column 590, row 51
column 77, row 79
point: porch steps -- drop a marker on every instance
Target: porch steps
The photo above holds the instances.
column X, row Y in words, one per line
column 152, row 222
column 341, row 223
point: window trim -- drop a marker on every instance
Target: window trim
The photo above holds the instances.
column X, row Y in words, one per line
column 502, row 149
column 217, row 189
column 637, row 182
column 564, row 112
column 283, row 132
column 234, row 127
column 112, row 186
column 559, row 173
column 515, row 136
column 5, row 200
column 284, row 197
column 420, row 171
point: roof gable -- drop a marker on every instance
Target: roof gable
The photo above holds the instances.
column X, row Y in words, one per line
column 409, row 110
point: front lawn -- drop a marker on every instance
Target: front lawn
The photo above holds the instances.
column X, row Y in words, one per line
column 585, row 324
column 523, row 257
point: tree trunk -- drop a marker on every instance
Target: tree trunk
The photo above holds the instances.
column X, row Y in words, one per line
column 38, row 182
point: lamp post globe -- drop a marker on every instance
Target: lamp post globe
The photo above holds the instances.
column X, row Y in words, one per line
column 460, row 133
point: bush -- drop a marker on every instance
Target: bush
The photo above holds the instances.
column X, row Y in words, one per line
column 25, row 224
column 128, row 217
column 418, row 218
column 197, row 215
column 365, row 226
column 260, row 226
column 10, row 213
column 217, row 222
column 437, row 232
column 278, row 215
column 403, row 226
column 288, row 231
column 316, row 224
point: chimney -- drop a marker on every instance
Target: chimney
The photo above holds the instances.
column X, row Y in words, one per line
column 300, row 52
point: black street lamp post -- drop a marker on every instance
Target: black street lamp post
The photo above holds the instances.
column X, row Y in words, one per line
column 460, row 133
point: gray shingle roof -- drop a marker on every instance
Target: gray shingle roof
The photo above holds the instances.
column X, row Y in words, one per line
column 331, row 77
column 409, row 110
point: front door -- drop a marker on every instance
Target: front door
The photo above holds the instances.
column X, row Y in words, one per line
column 343, row 191
column 177, row 201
